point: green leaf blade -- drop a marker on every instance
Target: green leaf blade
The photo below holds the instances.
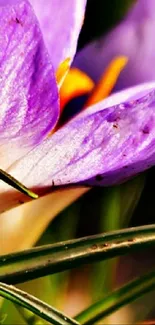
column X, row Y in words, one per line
column 35, row 305
column 50, row 259
column 117, row 299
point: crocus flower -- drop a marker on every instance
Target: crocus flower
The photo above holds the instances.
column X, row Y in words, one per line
column 29, row 59
column 105, row 144
column 133, row 37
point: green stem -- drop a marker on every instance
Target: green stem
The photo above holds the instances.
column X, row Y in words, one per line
column 50, row 259
column 35, row 305
column 117, row 299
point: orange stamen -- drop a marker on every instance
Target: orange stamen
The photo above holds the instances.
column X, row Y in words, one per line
column 75, row 84
column 62, row 71
column 107, row 81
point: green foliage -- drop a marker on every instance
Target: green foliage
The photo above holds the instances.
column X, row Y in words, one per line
column 35, row 305
column 94, row 247
column 50, row 259
column 117, row 299
column 116, row 209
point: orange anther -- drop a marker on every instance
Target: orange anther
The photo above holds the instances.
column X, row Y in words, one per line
column 75, row 84
column 62, row 71
column 107, row 81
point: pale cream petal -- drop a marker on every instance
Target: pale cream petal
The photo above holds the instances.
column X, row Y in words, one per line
column 21, row 227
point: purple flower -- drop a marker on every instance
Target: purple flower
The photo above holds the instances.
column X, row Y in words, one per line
column 134, row 38
column 105, row 144
column 28, row 88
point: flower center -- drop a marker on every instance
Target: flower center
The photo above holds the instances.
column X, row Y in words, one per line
column 76, row 83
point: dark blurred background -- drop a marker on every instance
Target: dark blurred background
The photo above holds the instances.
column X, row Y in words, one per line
column 101, row 15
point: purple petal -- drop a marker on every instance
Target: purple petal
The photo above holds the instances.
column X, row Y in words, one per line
column 115, row 143
column 104, row 145
column 133, row 38
column 143, row 9
column 60, row 21
column 28, row 90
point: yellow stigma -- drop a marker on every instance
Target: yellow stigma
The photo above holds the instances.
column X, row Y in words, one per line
column 75, row 84
column 62, row 71
column 107, row 81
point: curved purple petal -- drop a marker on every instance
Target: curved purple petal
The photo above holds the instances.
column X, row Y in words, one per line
column 133, row 38
column 60, row 21
column 28, row 90
column 117, row 141
column 142, row 10
column 104, row 145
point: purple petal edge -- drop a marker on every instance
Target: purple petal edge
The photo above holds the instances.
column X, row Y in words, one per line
column 104, row 147
column 60, row 21
column 133, row 38
column 28, row 90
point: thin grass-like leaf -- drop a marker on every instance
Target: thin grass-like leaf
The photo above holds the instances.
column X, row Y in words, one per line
column 10, row 180
column 117, row 299
column 35, row 305
column 50, row 259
